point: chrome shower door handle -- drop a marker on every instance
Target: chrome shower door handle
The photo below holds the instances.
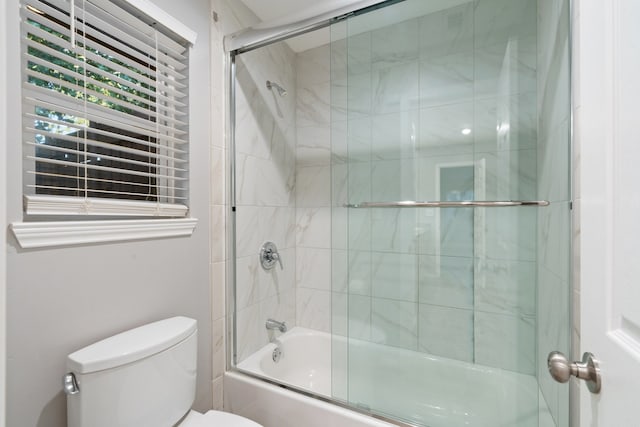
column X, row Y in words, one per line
column 562, row 370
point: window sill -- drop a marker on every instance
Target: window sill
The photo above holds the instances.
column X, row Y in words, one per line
column 67, row 233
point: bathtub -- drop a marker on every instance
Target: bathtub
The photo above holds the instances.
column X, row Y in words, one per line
column 383, row 381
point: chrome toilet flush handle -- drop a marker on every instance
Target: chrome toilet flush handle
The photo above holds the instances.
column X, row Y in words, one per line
column 69, row 384
column 269, row 256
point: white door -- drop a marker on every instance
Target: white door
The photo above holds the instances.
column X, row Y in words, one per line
column 607, row 144
column 3, row 192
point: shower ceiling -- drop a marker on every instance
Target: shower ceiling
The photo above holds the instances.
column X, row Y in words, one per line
column 273, row 10
column 279, row 12
column 293, row 10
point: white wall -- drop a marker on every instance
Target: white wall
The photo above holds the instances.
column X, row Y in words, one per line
column 3, row 211
column 61, row 299
column 219, row 206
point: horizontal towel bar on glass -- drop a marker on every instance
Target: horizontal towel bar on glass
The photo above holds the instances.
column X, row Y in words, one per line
column 448, row 204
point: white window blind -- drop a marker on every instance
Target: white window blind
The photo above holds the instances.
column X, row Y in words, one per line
column 105, row 111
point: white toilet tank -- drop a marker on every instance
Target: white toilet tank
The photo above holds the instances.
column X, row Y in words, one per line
column 144, row 377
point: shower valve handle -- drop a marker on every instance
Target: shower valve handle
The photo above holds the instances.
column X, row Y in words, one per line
column 269, row 256
column 277, row 256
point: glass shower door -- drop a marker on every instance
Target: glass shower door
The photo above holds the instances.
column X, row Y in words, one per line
column 434, row 308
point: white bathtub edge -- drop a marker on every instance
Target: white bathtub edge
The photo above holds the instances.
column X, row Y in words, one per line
column 273, row 406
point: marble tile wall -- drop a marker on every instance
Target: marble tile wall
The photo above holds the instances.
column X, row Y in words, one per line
column 265, row 186
column 455, row 283
column 554, row 223
column 505, row 156
column 265, row 198
column 313, row 189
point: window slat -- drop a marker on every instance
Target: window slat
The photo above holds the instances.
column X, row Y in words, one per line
column 97, row 190
column 173, row 88
column 176, row 152
column 105, row 168
column 102, row 157
column 102, row 114
column 112, row 103
column 63, row 70
column 110, row 146
column 139, row 184
column 106, row 122
column 70, row 61
column 131, row 102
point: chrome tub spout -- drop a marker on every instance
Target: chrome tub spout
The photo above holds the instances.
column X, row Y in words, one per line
column 274, row 324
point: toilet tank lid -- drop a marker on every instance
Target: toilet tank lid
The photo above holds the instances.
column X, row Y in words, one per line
column 131, row 345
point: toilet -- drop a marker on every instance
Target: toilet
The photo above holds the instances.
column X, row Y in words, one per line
column 144, row 377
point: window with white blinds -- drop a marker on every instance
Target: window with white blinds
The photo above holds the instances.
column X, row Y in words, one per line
column 105, row 111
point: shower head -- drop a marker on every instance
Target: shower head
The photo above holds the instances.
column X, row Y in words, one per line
column 281, row 91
